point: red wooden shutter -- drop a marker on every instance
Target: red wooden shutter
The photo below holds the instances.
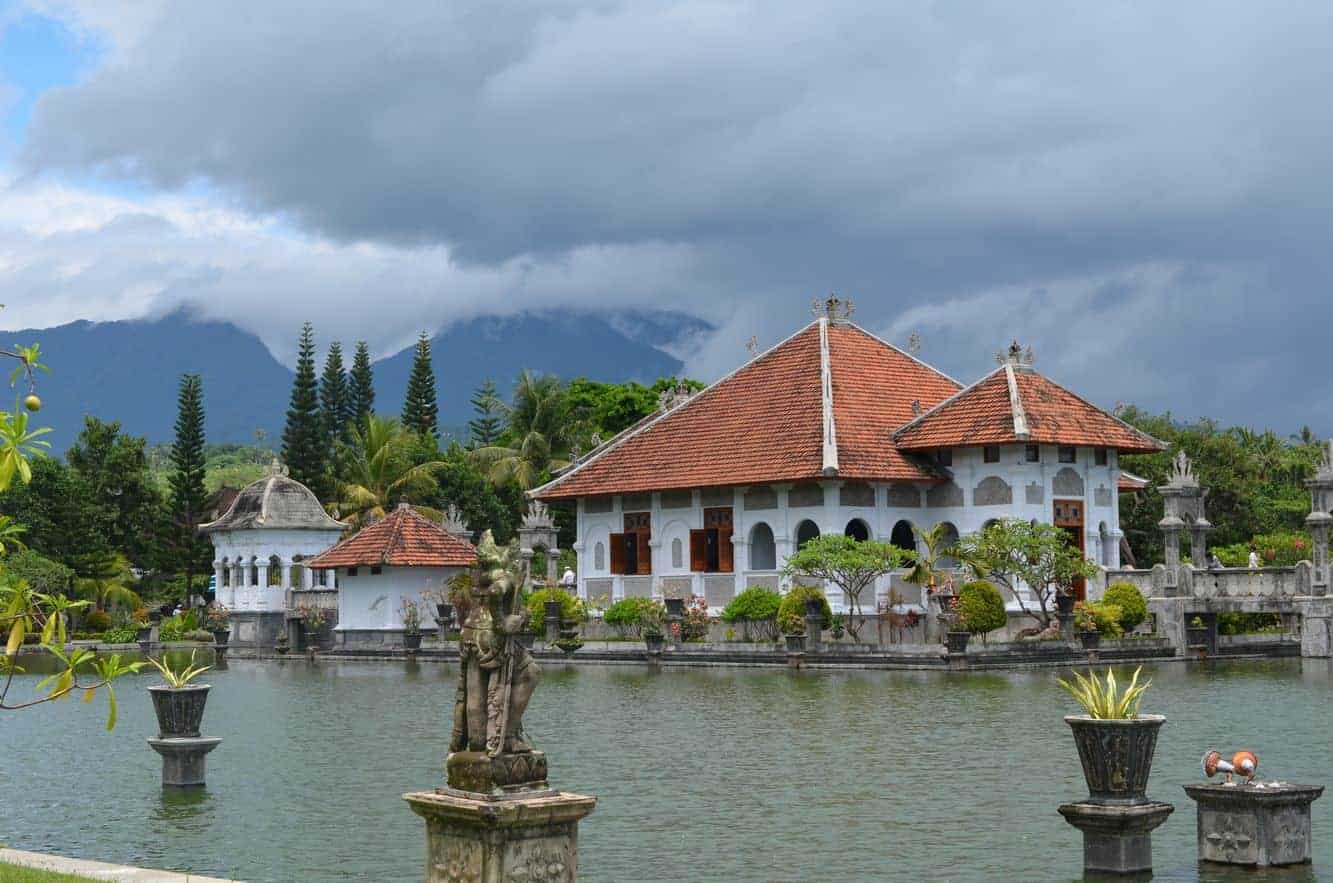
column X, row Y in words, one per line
column 617, row 553
column 645, row 552
column 698, row 551
column 725, row 552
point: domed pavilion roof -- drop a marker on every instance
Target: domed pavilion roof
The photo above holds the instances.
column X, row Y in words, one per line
column 275, row 502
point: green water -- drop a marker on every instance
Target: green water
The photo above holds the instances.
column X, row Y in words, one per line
column 705, row 774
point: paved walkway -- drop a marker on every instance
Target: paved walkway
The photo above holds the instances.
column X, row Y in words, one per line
column 97, row 870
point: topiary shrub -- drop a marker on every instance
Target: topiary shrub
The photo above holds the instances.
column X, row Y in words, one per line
column 202, row 635
column 571, row 608
column 1108, row 619
column 627, row 615
column 1133, row 608
column 981, row 607
column 126, row 634
column 757, row 609
column 96, row 621
column 791, row 612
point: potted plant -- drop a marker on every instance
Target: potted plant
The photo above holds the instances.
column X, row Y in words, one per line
column 794, row 634
column 411, row 615
column 956, row 635
column 653, row 638
column 1085, row 623
column 1115, row 743
column 313, row 620
column 179, row 703
column 569, row 646
column 217, row 620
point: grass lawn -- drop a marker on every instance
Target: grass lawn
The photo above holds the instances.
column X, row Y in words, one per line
column 17, row 874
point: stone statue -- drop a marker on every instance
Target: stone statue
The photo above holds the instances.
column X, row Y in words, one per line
column 497, row 674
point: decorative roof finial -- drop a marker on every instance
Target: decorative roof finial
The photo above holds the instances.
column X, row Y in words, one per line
column 1182, row 471
column 277, row 468
column 1016, row 356
column 454, row 523
column 538, row 516
column 752, row 345
column 914, row 343
column 833, row 308
column 673, row 396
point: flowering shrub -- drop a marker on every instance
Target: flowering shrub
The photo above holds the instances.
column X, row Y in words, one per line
column 1278, row 549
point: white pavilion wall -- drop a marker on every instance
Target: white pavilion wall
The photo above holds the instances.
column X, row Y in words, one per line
column 979, row 492
column 245, row 557
column 373, row 601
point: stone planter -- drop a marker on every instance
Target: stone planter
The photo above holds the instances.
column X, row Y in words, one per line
column 221, row 636
column 444, row 615
column 654, row 644
column 412, row 640
column 795, row 643
column 179, row 712
column 957, row 641
column 1064, row 604
column 675, row 606
column 1116, row 756
column 1091, row 640
column 1197, row 636
column 553, row 610
column 814, row 608
column 143, row 634
column 281, row 649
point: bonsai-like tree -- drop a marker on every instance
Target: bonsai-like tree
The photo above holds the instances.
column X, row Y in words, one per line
column 851, row 565
column 1018, row 554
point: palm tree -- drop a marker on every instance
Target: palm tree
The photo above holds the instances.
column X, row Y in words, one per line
column 380, row 473
column 107, row 583
column 538, row 425
column 926, row 561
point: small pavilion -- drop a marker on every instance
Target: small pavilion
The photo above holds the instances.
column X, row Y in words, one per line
column 261, row 545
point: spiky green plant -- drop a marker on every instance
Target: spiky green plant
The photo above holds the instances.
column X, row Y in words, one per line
column 1105, row 701
column 178, row 679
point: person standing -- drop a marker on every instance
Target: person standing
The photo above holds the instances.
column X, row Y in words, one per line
column 1254, row 558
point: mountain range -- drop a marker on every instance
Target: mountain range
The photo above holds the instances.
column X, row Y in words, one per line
column 129, row 370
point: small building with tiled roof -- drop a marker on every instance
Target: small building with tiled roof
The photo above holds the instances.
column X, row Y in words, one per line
column 404, row 558
column 836, row 430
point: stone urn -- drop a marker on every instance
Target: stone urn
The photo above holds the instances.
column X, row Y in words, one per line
column 1064, row 603
column 144, row 635
column 221, row 636
column 1116, row 756
column 282, row 647
column 553, row 609
column 654, row 644
column 795, row 643
column 179, row 711
column 675, row 607
column 1091, row 640
column 957, row 641
column 444, row 615
column 412, row 640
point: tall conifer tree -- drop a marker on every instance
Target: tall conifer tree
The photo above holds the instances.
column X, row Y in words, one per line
column 335, row 403
column 303, row 448
column 191, row 551
column 420, row 412
column 361, row 386
column 485, row 428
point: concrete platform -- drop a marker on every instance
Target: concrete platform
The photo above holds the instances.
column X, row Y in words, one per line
column 98, row 870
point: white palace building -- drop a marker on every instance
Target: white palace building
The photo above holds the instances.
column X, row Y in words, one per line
column 836, row 430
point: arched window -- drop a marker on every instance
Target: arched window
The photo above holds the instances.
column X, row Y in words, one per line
column 677, row 554
column 274, row 571
column 599, row 557
column 763, row 550
column 857, row 529
column 806, row 531
column 254, row 571
column 226, row 572
column 950, row 538
column 903, row 536
column 988, row 523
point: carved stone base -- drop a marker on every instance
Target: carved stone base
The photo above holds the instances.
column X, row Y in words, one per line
column 523, row 838
column 1116, row 839
column 481, row 775
column 183, row 759
column 1257, row 825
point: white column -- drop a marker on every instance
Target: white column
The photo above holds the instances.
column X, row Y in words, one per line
column 782, row 538
column 286, row 581
column 740, row 548
column 655, row 555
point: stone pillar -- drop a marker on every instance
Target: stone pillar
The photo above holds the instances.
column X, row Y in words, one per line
column 1198, row 546
column 184, row 763
column 1171, row 552
column 263, row 575
column 1257, row 825
column 286, row 581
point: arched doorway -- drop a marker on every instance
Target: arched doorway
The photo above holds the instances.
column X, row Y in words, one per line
column 903, row 536
column 763, row 548
column 806, row 531
column 857, row 529
column 948, row 540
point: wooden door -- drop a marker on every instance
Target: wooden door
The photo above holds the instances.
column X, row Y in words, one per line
column 1069, row 515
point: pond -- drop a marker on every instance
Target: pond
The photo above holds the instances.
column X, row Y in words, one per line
column 701, row 774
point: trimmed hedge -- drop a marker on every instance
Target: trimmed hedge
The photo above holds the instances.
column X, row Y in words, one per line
column 753, row 605
column 1133, row 608
column 627, row 615
column 981, row 607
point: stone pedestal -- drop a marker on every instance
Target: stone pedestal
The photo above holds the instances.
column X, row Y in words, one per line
column 814, row 626
column 1257, row 825
column 183, row 759
column 1067, row 627
column 469, row 837
column 1116, row 839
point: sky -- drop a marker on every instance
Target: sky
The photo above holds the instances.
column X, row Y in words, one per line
column 1141, row 192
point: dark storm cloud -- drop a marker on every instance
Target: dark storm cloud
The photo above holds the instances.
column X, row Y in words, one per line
column 1141, row 190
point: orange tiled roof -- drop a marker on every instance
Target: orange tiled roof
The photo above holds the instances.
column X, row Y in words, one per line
column 1130, row 483
column 404, row 538
column 765, row 422
column 983, row 414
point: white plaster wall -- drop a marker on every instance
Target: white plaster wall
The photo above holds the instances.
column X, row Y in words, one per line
column 373, row 600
